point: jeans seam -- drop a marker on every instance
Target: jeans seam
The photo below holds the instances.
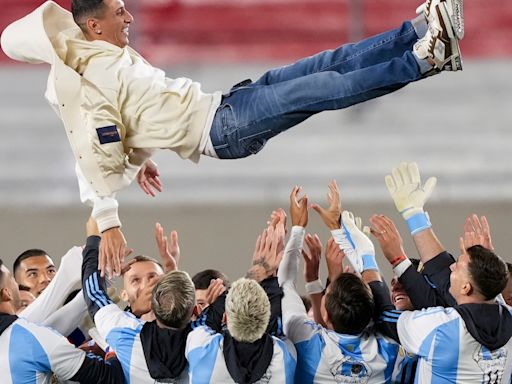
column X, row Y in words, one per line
column 359, row 53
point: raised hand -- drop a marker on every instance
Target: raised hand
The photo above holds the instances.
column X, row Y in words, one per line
column 331, row 214
column 215, row 289
column 298, row 208
column 311, row 253
column 409, row 195
column 169, row 252
column 148, row 180
column 112, row 252
column 334, row 259
column 266, row 256
column 388, row 237
column 481, row 232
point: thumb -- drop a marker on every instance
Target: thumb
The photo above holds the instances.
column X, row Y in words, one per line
column 429, row 186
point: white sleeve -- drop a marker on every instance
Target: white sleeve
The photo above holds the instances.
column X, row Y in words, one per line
column 200, row 337
column 65, row 360
column 105, row 209
column 291, row 303
column 68, row 317
column 67, row 279
column 288, row 268
column 111, row 317
column 414, row 327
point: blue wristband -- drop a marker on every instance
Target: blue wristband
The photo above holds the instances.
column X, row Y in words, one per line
column 418, row 223
column 369, row 262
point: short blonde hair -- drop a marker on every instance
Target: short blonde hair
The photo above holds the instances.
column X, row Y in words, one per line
column 173, row 299
column 247, row 310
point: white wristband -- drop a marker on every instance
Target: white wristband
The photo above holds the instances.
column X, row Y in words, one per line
column 314, row 287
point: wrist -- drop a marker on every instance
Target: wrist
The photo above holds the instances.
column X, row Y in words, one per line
column 369, row 262
column 313, row 287
column 397, row 260
column 418, row 221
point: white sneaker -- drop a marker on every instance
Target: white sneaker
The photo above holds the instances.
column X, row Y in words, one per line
column 454, row 9
column 440, row 44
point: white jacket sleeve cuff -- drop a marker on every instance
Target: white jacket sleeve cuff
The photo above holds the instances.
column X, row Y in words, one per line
column 105, row 213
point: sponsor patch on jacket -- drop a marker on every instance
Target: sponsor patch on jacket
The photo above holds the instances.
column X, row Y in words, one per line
column 108, row 134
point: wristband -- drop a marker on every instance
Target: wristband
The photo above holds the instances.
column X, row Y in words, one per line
column 313, row 287
column 418, row 222
column 369, row 262
column 397, row 260
column 401, row 267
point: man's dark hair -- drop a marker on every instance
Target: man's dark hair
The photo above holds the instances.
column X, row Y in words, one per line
column 509, row 267
column 26, row 255
column 349, row 304
column 202, row 279
column 84, row 9
column 489, row 272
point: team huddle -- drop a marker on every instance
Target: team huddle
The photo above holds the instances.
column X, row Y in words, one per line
column 446, row 319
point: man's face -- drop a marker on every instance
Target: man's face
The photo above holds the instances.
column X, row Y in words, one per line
column 138, row 283
column 399, row 297
column 36, row 272
column 11, row 285
column 459, row 277
column 201, row 301
column 114, row 24
column 26, row 298
column 507, row 292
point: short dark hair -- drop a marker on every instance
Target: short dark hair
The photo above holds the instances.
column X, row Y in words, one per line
column 509, row 267
column 83, row 9
column 488, row 271
column 349, row 304
column 202, row 279
column 26, row 255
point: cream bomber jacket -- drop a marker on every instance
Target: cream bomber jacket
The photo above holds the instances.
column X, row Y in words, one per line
column 116, row 108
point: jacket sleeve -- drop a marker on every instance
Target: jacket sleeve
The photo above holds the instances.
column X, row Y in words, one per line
column 95, row 370
column 93, row 285
column 437, row 272
column 385, row 314
column 275, row 294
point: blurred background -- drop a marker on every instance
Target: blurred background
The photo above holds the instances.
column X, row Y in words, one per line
column 457, row 126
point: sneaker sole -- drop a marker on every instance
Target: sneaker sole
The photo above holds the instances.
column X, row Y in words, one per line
column 455, row 63
column 455, row 10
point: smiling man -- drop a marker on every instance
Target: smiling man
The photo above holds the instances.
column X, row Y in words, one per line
column 118, row 109
column 34, row 269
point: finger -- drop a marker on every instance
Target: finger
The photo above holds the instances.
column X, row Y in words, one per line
column 404, row 172
column 155, row 183
column 413, row 173
column 390, row 184
column 101, row 260
column 397, row 177
column 429, row 186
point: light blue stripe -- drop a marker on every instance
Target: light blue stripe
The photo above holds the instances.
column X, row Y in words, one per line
column 347, row 233
column 388, row 319
column 388, row 351
column 289, row 362
column 121, row 340
column 99, row 292
column 426, row 344
column 445, row 360
column 201, row 361
column 26, row 356
column 309, row 353
column 391, row 314
column 429, row 311
column 90, row 294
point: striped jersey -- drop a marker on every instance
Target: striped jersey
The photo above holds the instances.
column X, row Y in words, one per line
column 29, row 353
column 447, row 352
column 207, row 363
column 324, row 356
column 122, row 331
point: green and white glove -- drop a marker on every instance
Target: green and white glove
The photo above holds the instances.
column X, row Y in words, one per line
column 404, row 185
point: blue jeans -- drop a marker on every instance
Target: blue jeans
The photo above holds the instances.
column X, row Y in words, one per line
column 253, row 112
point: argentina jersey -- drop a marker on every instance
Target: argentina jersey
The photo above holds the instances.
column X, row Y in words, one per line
column 207, row 363
column 448, row 353
column 324, row 356
column 29, row 353
column 405, row 367
column 122, row 331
